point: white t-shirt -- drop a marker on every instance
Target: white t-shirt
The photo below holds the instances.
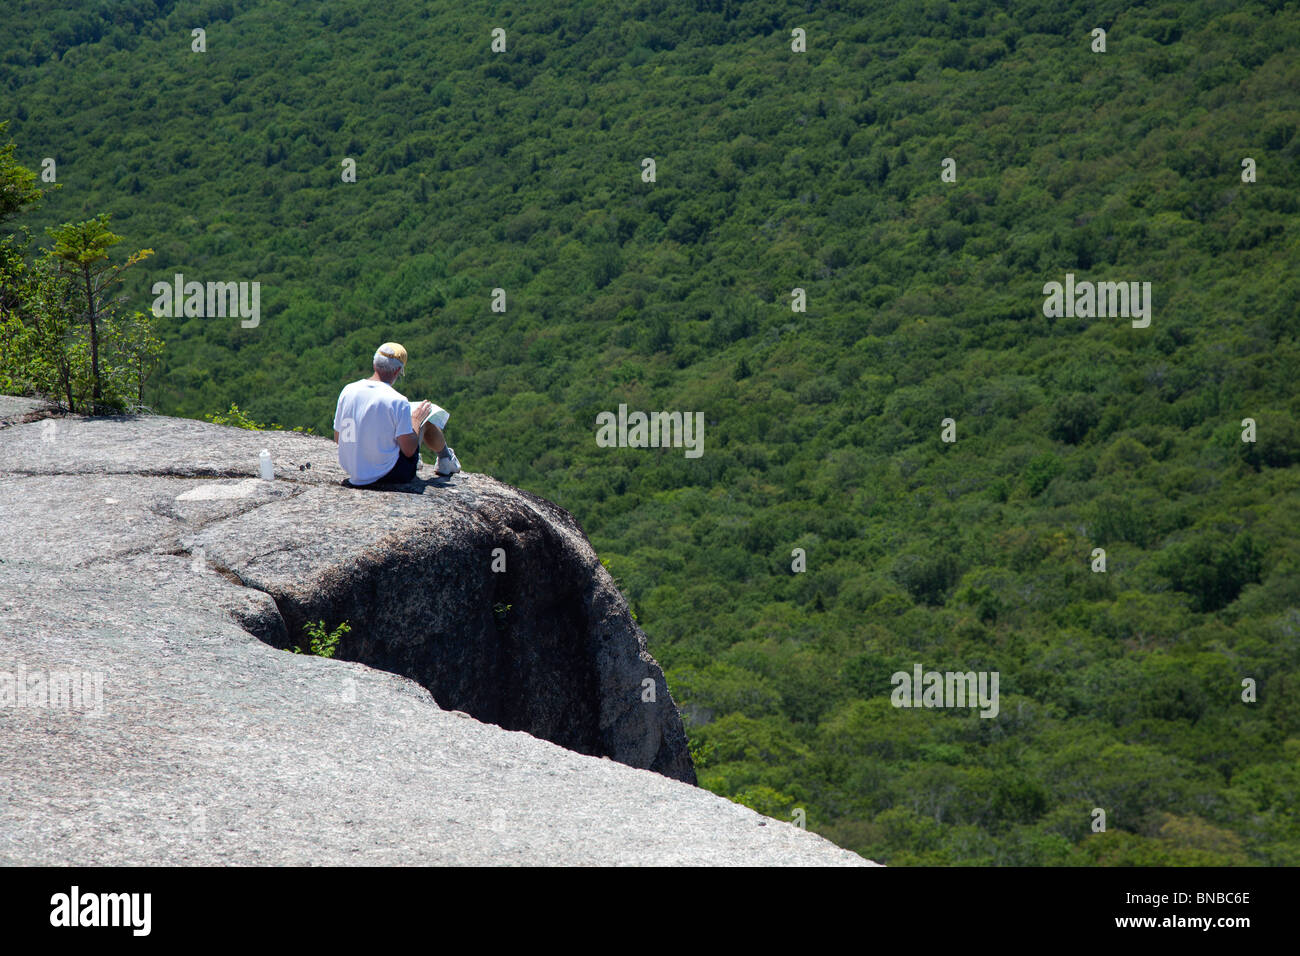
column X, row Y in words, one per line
column 369, row 417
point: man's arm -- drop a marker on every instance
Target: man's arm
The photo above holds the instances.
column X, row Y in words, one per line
column 336, row 437
column 410, row 442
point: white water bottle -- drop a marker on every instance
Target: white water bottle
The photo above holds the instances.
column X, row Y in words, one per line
column 264, row 460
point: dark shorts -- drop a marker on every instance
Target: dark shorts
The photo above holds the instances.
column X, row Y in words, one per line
column 402, row 472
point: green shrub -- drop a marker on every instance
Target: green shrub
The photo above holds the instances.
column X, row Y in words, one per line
column 321, row 643
column 1073, row 416
column 927, row 577
column 236, row 418
column 1040, row 471
column 1212, row 569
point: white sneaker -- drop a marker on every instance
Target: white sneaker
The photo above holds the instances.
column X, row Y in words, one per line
column 447, row 465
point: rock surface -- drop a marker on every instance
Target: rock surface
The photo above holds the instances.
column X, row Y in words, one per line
column 14, row 410
column 137, row 554
column 546, row 645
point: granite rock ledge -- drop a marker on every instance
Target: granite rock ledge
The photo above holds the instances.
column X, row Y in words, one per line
column 463, row 719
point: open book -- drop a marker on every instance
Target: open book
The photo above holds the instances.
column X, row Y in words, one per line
column 436, row 415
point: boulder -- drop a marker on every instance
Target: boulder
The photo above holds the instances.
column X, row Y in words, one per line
column 493, row 702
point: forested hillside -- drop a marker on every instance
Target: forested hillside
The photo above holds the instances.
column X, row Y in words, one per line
column 776, row 170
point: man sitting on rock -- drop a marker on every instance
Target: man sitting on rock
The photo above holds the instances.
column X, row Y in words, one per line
column 378, row 432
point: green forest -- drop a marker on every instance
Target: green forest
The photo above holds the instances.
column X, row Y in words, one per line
column 831, row 534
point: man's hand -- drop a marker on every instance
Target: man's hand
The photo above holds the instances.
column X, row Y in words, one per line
column 419, row 412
